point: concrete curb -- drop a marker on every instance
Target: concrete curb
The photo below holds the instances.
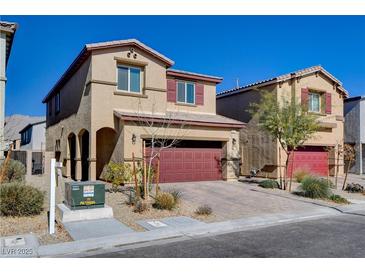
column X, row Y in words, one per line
column 199, row 230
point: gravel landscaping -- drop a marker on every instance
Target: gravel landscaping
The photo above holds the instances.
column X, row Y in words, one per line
column 125, row 214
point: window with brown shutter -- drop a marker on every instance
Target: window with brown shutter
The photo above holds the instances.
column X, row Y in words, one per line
column 171, row 90
column 328, row 106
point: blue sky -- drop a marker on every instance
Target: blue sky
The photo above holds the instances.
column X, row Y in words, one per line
column 250, row 48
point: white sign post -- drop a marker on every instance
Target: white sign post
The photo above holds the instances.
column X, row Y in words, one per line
column 52, row 198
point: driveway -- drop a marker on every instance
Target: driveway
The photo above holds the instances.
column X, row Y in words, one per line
column 233, row 200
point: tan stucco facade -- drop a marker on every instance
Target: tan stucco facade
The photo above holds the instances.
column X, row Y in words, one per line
column 90, row 98
column 257, row 148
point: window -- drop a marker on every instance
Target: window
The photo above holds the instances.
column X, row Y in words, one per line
column 185, row 93
column 26, row 136
column 129, row 79
column 314, row 102
column 57, row 103
column 49, row 106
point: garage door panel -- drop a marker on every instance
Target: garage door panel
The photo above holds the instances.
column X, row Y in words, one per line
column 190, row 164
column 311, row 159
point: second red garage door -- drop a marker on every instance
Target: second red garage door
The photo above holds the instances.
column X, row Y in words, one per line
column 310, row 158
column 190, row 164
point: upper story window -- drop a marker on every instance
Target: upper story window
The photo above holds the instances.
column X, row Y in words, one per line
column 185, row 92
column 57, row 103
column 129, row 79
column 49, row 107
column 314, row 102
column 26, row 136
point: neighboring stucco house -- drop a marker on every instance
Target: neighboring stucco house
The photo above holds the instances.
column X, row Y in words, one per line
column 33, row 136
column 7, row 31
column 355, row 130
column 14, row 124
column 114, row 93
column 322, row 93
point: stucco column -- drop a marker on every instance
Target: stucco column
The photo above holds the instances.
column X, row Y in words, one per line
column 78, row 159
column 231, row 164
column 68, row 167
column 92, row 156
column 29, row 163
column 2, row 91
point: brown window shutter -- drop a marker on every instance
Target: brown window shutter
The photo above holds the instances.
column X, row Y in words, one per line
column 304, row 97
column 171, row 90
column 328, row 103
column 199, row 94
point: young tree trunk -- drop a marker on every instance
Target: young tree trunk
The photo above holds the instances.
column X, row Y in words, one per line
column 138, row 194
column 347, row 171
column 337, row 165
column 158, row 174
column 144, row 171
column 291, row 173
column 280, row 171
column 286, row 170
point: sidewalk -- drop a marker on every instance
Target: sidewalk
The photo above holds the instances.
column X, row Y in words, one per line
column 86, row 247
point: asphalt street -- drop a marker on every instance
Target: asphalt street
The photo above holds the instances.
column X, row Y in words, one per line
column 337, row 236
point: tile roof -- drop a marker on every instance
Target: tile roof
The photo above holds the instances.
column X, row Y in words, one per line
column 284, row 77
column 219, row 79
column 183, row 117
column 15, row 123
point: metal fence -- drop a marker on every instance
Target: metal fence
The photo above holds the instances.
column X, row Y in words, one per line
column 37, row 161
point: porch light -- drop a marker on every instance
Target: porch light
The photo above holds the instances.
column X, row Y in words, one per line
column 134, row 138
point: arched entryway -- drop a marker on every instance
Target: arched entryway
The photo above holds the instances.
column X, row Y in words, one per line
column 84, row 151
column 106, row 139
column 72, row 154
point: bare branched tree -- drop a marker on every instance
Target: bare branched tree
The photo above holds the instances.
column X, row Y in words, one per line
column 159, row 127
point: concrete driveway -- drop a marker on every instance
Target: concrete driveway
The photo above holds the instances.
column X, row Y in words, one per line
column 232, row 200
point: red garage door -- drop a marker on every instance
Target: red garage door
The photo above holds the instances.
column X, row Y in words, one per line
column 311, row 158
column 190, row 164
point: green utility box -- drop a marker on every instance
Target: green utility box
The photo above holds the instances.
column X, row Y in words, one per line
column 82, row 195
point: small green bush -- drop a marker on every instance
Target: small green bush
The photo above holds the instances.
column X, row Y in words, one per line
column 164, row 200
column 18, row 199
column 269, row 184
column 314, row 187
column 299, row 175
column 177, row 194
column 338, row 199
column 15, row 171
column 204, row 210
column 118, row 174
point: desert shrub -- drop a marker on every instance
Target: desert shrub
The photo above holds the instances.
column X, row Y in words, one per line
column 300, row 174
column 314, row 187
column 164, row 200
column 15, row 171
column 352, row 187
column 18, row 199
column 204, row 210
column 117, row 174
column 269, row 184
column 140, row 206
column 177, row 194
column 338, row 199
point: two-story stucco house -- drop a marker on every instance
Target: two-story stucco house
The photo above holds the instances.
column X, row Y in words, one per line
column 110, row 97
column 323, row 95
column 355, row 130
